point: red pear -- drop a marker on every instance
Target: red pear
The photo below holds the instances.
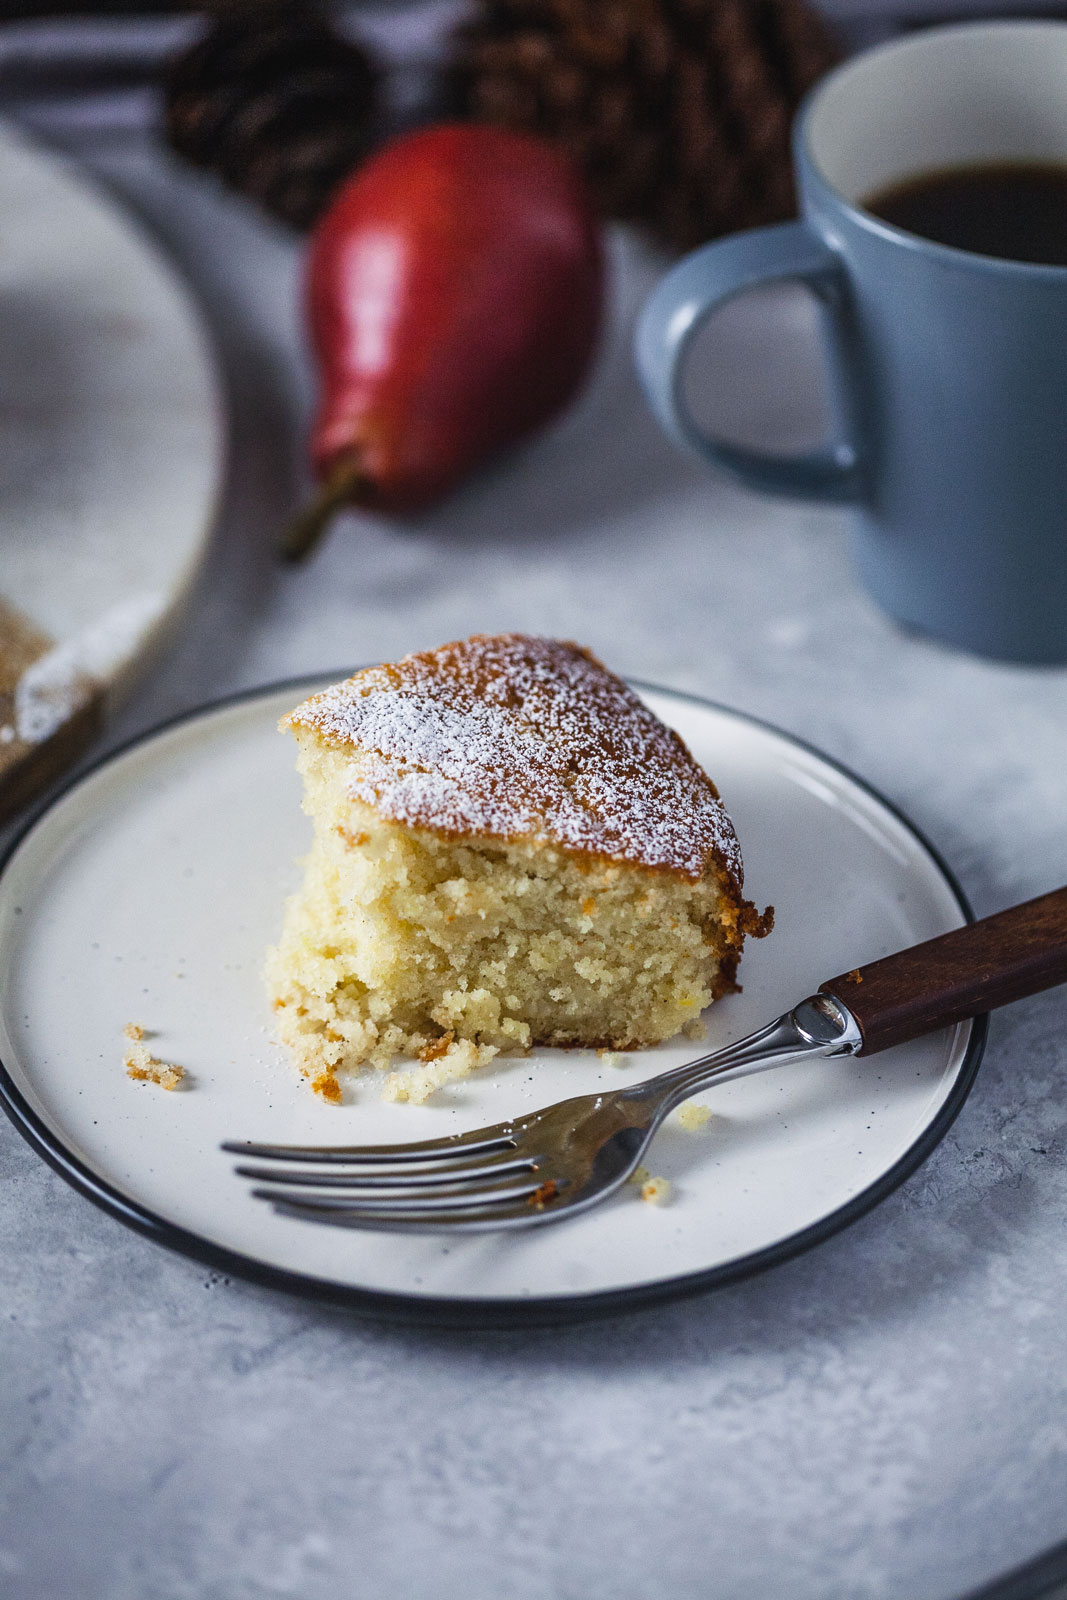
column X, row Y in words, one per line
column 454, row 291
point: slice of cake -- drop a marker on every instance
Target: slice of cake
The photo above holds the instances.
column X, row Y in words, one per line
column 510, row 849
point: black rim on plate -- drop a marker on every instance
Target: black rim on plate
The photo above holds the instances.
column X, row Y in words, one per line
column 474, row 1312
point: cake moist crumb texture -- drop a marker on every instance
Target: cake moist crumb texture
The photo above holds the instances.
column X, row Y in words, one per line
column 510, row 849
column 142, row 1065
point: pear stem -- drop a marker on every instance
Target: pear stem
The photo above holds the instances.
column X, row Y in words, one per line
column 307, row 527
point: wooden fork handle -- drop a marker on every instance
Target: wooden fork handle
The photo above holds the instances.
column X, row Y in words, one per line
column 961, row 974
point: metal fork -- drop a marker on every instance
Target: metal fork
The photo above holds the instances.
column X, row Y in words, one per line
column 556, row 1162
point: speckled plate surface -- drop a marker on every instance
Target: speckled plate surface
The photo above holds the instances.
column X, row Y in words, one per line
column 111, row 447
column 150, row 888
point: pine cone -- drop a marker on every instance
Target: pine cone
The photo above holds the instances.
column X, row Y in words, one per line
column 678, row 111
column 275, row 102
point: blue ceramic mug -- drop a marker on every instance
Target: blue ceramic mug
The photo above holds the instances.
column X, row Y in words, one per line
column 948, row 369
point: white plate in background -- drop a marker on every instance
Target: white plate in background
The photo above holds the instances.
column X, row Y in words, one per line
column 151, row 887
column 112, row 435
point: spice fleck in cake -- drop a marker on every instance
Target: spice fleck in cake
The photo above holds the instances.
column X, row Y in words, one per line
column 510, row 850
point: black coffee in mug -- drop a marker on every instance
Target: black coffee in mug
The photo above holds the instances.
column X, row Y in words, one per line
column 1013, row 209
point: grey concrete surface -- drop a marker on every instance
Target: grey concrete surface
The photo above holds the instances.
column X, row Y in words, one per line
column 885, row 1417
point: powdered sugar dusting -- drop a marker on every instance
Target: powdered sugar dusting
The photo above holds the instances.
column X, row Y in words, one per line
column 509, row 736
column 55, row 686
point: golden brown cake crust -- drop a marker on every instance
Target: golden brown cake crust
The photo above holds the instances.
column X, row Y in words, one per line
column 508, row 736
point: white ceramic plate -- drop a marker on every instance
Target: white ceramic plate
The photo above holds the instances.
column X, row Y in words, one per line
column 111, row 432
column 150, row 888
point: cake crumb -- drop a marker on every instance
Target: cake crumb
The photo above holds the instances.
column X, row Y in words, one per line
column 613, row 1058
column 144, row 1067
column 134, row 1031
column 639, row 1176
column 327, row 1088
column 657, row 1191
column 695, row 1029
column 438, row 1047
column 417, row 1084
column 693, row 1116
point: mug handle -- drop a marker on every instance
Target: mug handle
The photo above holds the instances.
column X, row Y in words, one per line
column 683, row 301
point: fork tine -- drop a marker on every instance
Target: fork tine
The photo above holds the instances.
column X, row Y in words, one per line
column 441, row 1176
column 436, row 1204
column 477, row 1218
column 500, row 1137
